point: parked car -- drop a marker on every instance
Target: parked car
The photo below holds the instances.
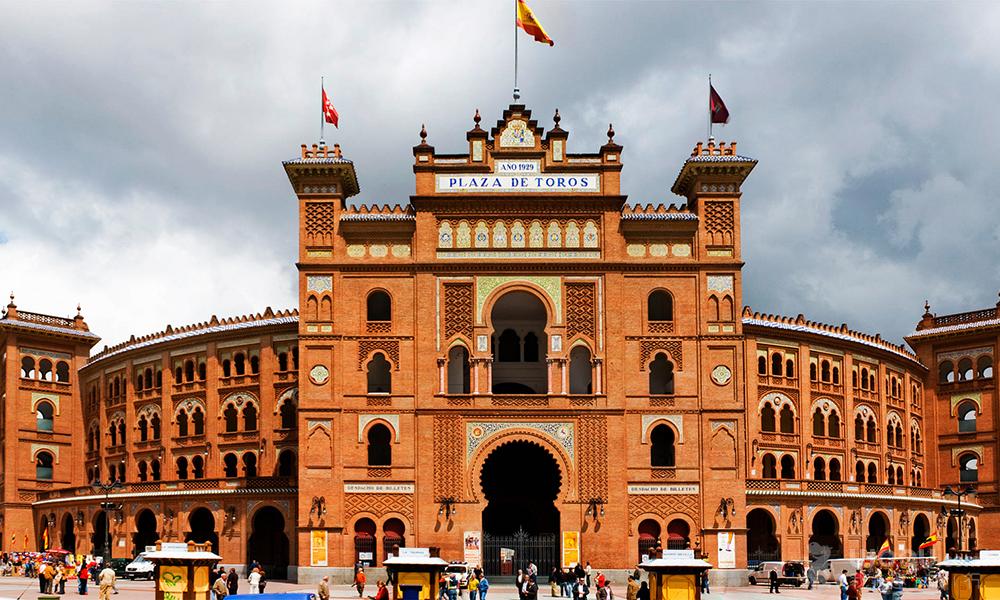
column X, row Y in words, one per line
column 789, row 573
column 461, row 570
column 140, row 568
column 118, row 565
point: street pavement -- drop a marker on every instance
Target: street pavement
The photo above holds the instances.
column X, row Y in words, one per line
column 24, row 589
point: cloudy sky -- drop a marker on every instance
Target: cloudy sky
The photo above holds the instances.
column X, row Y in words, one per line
column 140, row 143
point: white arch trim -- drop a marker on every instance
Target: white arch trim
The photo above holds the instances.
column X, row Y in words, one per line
column 650, row 421
column 365, row 420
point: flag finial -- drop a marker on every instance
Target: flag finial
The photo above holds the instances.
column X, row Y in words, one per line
column 556, row 118
column 611, row 134
column 476, row 119
column 517, row 94
column 423, row 134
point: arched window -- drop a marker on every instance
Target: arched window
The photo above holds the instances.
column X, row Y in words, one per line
column 159, row 378
column 833, row 425
column 143, row 469
column 787, row 419
column 917, row 480
column 202, row 370
column 965, row 369
column 295, row 358
column 231, row 417
column 661, row 376
column 890, row 475
column 834, row 469
column 872, row 473
column 249, row 464
column 198, row 420
column 179, row 374
column 899, row 476
column 890, row 435
column 154, row 426
column 43, row 466
column 531, row 350
column 249, row 417
column 379, row 446
column 946, row 372
column 776, row 364
column 62, row 372
column 870, row 431
column 824, row 371
column 859, row 428
column 227, row 368
column 28, row 367
column 143, row 427
column 229, row 465
column 819, row 469
column 968, row 468
column 121, row 432
column 138, row 383
column 282, row 361
column 198, row 467
column 154, row 470
column 254, row 365
column 147, row 378
column 661, row 446
column 240, row 364
column 761, row 365
column 819, row 423
column 45, row 369
column 580, row 372
column 864, row 378
column 113, row 433
column 288, row 414
column 458, row 370
column 659, row 306
column 182, row 468
column 767, row 418
column 789, row 368
column 44, row 416
column 770, row 470
column 189, row 371
column 182, row 424
column 379, row 375
column 859, row 472
column 787, row 467
column 286, row 464
column 510, row 346
column 984, row 367
column 379, row 306
column 812, row 371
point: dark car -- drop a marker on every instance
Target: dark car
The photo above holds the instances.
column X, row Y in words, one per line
column 118, row 565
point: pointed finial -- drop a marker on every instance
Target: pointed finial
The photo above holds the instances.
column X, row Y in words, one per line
column 423, row 134
column 477, row 118
column 927, row 310
column 12, row 297
column 556, row 118
column 517, row 94
column 78, row 313
column 611, row 134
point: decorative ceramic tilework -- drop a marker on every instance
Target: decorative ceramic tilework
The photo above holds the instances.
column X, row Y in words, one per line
column 477, row 432
column 378, row 250
column 355, row 250
column 401, row 250
column 636, row 250
column 319, row 283
column 319, row 374
column 681, row 250
column 720, row 283
column 658, row 250
column 517, row 135
column 676, row 420
column 552, row 286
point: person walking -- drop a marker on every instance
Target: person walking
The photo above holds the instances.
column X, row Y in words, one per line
column 704, row 583
column 381, row 592
column 484, row 586
column 473, row 587
column 263, row 580
column 773, row 582
column 58, row 583
column 254, row 580
column 106, row 581
column 942, row 584
column 587, row 571
column 852, row 593
column 632, row 588
column 232, row 582
column 844, row 584
column 810, row 576
column 643, row 593
column 323, row 590
column 360, row 579
column 554, row 582
column 82, row 576
column 219, row 588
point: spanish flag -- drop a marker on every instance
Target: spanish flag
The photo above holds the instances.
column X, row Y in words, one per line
column 526, row 20
column 884, row 548
column 930, row 541
column 45, row 539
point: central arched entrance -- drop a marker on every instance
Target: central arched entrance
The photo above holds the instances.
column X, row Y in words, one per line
column 824, row 540
column 145, row 531
column 878, row 532
column 519, row 344
column 921, row 530
column 268, row 544
column 202, row 528
column 99, row 540
column 520, row 482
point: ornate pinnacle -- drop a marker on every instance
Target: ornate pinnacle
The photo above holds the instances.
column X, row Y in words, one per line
column 611, row 134
column 477, row 118
column 423, row 134
column 557, row 118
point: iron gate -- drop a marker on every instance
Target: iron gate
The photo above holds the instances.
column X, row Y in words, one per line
column 503, row 555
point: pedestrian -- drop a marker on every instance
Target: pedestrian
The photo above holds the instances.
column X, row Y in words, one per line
column 643, row 593
column 360, row 579
column 859, row 579
column 886, row 589
column 811, row 576
column 602, row 592
column 852, row 592
column 323, row 590
column 600, row 579
column 82, row 576
column 587, row 571
column 897, row 587
column 942, row 583
column 381, row 592
column 636, row 574
column 844, row 584
column 263, row 579
column 484, row 586
column 106, row 581
column 530, row 589
column 233, row 582
column 631, row 588
column 219, row 588
column 704, row 583
column 473, row 586
column 773, row 582
column 554, row 582
column 58, row 584
column 41, row 582
column 254, row 580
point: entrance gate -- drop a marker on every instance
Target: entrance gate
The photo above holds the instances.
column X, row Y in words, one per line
column 503, row 555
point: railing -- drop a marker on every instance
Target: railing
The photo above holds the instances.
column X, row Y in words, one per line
column 826, row 388
column 561, row 401
column 286, row 375
column 189, row 386
column 23, row 315
column 250, row 483
column 777, row 380
column 779, row 438
column 827, row 442
column 966, row 317
column 236, row 380
column 838, row 487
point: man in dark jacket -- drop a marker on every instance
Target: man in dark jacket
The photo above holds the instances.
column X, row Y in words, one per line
column 772, row 578
column 233, row 582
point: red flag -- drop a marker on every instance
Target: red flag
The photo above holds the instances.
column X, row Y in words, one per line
column 716, row 107
column 329, row 112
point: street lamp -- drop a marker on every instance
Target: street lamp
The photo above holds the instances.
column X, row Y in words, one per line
column 958, row 512
column 106, row 488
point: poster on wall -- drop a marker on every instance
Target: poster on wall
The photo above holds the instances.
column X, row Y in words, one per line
column 727, row 550
column 473, row 548
column 317, row 548
column 570, row 548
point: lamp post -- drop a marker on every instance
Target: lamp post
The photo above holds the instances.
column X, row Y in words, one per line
column 106, row 488
column 958, row 512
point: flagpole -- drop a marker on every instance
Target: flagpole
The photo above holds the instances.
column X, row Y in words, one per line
column 710, row 107
column 322, row 116
column 517, row 92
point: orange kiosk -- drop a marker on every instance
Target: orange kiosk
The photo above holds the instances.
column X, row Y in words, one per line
column 414, row 574
column 674, row 576
column 182, row 570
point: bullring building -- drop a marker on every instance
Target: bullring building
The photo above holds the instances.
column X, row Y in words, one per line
column 517, row 357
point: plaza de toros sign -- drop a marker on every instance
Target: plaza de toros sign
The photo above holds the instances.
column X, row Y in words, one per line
column 518, row 176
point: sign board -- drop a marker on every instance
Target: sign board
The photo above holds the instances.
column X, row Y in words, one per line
column 174, row 547
column 366, row 556
column 414, row 553
column 683, row 554
column 317, row 548
column 570, row 548
column 989, row 555
column 727, row 550
column 645, row 558
column 378, row 488
column 473, row 548
column 538, row 183
column 663, row 490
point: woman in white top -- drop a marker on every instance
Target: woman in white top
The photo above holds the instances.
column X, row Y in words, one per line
column 254, row 580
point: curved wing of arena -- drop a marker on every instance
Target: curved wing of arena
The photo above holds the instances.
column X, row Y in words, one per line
column 519, row 363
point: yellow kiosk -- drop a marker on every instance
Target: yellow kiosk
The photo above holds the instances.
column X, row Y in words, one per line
column 974, row 578
column 182, row 570
column 674, row 576
column 414, row 574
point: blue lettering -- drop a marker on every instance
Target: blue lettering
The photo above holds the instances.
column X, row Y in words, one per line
column 496, row 182
column 584, row 182
column 572, row 182
column 550, row 182
column 538, row 182
column 524, row 182
column 452, row 181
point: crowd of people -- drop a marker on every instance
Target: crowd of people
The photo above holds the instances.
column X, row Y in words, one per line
column 227, row 583
column 54, row 568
